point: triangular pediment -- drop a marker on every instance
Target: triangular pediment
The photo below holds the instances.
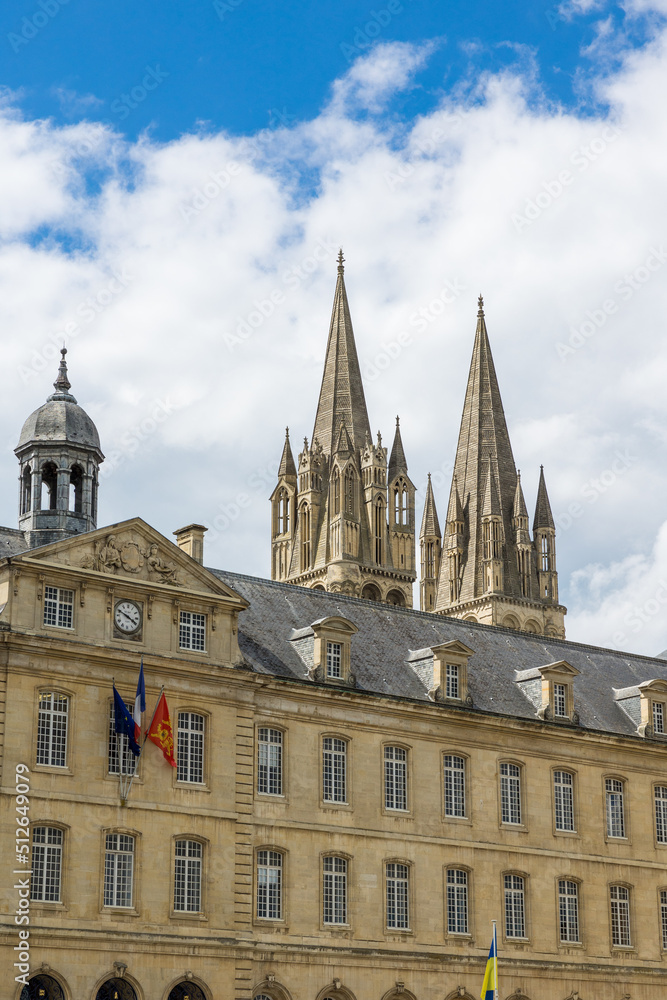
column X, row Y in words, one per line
column 131, row 550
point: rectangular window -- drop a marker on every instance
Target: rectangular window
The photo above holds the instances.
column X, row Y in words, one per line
column 334, row 768
column 620, row 915
column 510, row 793
column 661, row 814
column 560, row 701
column 452, row 681
column 455, row 786
column 192, row 631
column 187, row 876
column 658, row 717
column 47, row 857
column 563, row 800
column 515, row 912
column 397, row 895
column 269, row 885
column 568, row 909
column 457, row 901
column 270, row 761
column 334, row 659
column 52, row 729
column 663, row 917
column 395, row 778
column 58, row 607
column 120, row 758
column 118, row 870
column 615, row 813
column 190, row 752
column 334, row 891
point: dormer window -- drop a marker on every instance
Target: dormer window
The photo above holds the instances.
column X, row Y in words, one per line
column 444, row 670
column 645, row 705
column 334, row 659
column 551, row 690
column 325, row 649
column 452, row 681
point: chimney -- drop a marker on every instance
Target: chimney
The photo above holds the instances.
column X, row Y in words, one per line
column 191, row 541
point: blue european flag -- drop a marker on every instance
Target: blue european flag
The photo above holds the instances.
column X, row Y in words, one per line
column 124, row 723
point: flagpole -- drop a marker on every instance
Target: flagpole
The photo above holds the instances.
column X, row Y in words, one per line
column 495, row 958
column 136, row 759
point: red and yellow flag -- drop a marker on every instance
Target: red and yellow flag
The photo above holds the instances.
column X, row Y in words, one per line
column 161, row 732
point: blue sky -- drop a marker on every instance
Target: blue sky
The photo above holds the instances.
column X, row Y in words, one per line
column 244, row 65
column 169, row 171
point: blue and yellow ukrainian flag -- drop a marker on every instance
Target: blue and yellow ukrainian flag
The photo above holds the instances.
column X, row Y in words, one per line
column 490, row 984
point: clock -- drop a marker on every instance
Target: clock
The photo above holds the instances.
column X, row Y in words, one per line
column 127, row 617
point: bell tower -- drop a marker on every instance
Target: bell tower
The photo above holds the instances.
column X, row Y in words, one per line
column 491, row 571
column 59, row 456
column 351, row 523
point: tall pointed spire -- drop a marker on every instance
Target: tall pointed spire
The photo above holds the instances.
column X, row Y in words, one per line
column 342, row 392
column 484, row 452
column 519, row 509
column 543, row 516
column 430, row 523
column 287, row 466
column 397, row 460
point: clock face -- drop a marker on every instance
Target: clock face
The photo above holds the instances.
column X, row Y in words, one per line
column 127, row 617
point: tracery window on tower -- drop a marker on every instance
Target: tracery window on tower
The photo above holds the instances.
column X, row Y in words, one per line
column 305, row 536
column 49, row 486
column 492, row 538
column 26, row 490
column 523, row 561
column 454, row 576
column 379, row 526
column 545, row 554
column 335, row 490
column 283, row 512
column 76, row 489
column 401, row 502
column 350, row 498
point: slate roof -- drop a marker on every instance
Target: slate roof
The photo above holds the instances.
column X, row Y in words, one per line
column 387, row 635
column 12, row 542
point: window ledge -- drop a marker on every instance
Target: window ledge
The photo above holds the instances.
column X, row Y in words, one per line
column 342, row 806
column 185, row 915
column 191, row 786
column 514, row 827
column 398, row 933
column 51, row 769
column 120, row 911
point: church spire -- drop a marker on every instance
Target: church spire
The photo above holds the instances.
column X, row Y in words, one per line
column 287, row 466
column 543, row 516
column 491, row 570
column 430, row 544
column 397, row 460
column 342, row 393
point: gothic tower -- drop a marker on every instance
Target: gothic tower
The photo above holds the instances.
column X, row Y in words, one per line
column 59, row 455
column 343, row 519
column 491, row 570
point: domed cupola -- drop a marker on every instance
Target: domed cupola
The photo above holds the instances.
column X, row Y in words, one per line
column 59, row 452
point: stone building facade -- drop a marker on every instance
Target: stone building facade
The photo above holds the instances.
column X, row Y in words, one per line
column 360, row 789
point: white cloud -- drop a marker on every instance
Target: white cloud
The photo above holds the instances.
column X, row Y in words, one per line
column 193, row 282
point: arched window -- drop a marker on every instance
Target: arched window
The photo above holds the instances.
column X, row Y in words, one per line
column 371, row 592
column 116, row 989
column 76, row 489
column 305, row 536
column 269, row 878
column 26, row 490
column 47, row 859
column 186, row 991
column 545, row 554
column 401, row 502
column 49, row 486
column 335, row 490
column 188, row 876
column 42, row 987
column 52, row 729
column 283, row 512
column 397, row 598
column 350, row 498
column 379, row 528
